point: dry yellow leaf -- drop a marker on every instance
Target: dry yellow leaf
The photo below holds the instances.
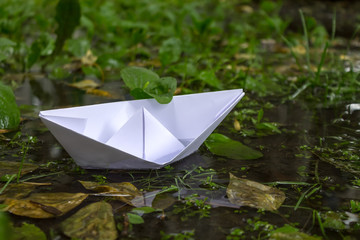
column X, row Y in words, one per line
column 99, row 92
column 85, row 84
column 244, row 192
column 89, row 58
column 125, row 191
column 10, row 168
column 93, row 222
column 44, row 205
column 17, row 191
column 148, row 63
column 237, row 125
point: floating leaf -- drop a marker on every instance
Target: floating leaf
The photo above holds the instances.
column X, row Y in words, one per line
column 249, row 193
column 45, row 205
column 28, row 232
column 223, row 146
column 9, row 168
column 93, row 222
column 125, row 191
column 17, row 191
column 9, row 112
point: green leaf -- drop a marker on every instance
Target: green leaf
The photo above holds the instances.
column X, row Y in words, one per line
column 354, row 206
column 135, row 219
column 170, row 51
column 28, row 232
column 42, row 46
column 209, row 77
column 223, row 146
column 6, row 48
column 162, row 90
column 95, row 221
column 139, row 93
column 333, row 220
column 144, row 210
column 267, row 128
column 59, row 73
column 9, row 111
column 78, row 47
column 286, row 229
column 67, row 16
column 144, row 83
column 260, row 115
column 5, row 227
column 137, row 77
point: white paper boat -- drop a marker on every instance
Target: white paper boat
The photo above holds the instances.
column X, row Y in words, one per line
column 139, row 134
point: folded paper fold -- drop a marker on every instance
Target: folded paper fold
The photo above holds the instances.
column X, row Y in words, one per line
column 139, row 134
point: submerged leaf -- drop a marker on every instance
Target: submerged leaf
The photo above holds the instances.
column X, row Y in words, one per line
column 45, row 205
column 125, row 192
column 9, row 168
column 288, row 232
column 292, row 236
column 223, row 146
column 95, row 222
column 249, row 193
column 9, row 111
column 334, row 220
column 28, row 232
column 163, row 201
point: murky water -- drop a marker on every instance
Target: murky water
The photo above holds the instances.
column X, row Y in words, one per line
column 283, row 162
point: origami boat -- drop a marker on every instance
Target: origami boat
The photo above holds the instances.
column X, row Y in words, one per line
column 139, row 134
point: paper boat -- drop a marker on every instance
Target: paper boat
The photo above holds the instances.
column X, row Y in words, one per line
column 139, row 134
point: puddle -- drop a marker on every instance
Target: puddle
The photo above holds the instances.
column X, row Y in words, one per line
column 287, row 164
